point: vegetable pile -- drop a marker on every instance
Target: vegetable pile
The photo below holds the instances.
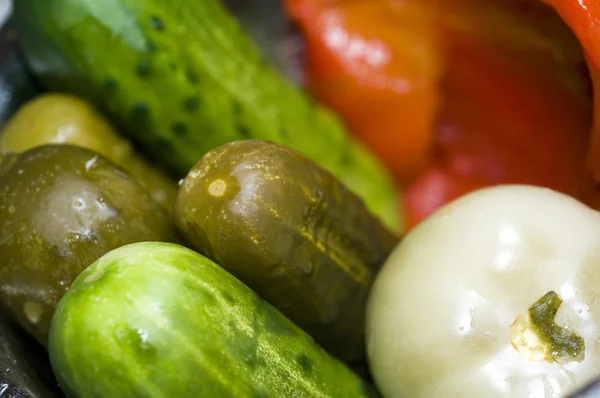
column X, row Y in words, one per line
column 180, row 218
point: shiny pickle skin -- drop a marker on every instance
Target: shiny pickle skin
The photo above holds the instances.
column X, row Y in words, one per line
column 292, row 232
column 56, row 118
column 61, row 208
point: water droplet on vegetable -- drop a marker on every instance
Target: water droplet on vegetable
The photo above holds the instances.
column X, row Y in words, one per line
column 143, row 335
column 91, row 163
column 11, row 209
column 472, row 316
column 141, row 340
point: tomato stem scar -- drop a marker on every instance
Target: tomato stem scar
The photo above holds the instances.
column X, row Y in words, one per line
column 539, row 338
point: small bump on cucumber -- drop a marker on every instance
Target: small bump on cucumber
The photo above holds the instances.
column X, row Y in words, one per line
column 190, row 104
column 192, row 77
column 140, row 108
column 164, row 144
column 140, row 113
column 110, row 83
column 237, row 109
column 243, row 131
column 229, row 298
column 151, row 46
column 157, row 23
column 245, row 346
column 143, row 68
column 305, row 363
column 179, row 129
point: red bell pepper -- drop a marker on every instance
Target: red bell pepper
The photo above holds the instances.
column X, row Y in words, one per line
column 583, row 16
column 507, row 102
column 376, row 63
column 502, row 123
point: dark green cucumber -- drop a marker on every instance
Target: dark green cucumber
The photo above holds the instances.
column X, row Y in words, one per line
column 292, row 232
column 182, row 77
column 17, row 85
column 156, row 320
column 24, row 366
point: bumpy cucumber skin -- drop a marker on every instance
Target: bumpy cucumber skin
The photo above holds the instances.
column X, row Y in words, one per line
column 292, row 232
column 159, row 320
column 183, row 78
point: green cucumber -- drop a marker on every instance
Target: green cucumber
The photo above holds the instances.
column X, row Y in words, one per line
column 292, row 232
column 160, row 320
column 182, row 78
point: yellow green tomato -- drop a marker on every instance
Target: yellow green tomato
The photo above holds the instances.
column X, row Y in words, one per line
column 495, row 295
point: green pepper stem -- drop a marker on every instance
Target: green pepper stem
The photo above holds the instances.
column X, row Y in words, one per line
column 539, row 337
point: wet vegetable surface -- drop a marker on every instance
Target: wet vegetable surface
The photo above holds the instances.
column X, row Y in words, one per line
column 292, row 232
column 54, row 118
column 494, row 295
column 156, row 320
column 61, row 208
